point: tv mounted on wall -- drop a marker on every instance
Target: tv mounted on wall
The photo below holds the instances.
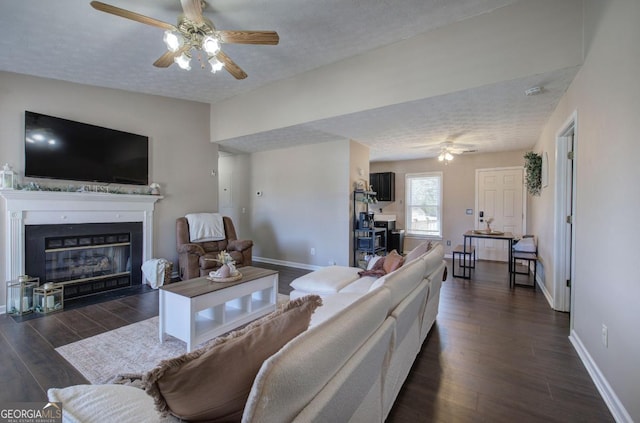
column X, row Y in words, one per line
column 58, row 148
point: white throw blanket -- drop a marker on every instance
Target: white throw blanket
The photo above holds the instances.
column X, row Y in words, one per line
column 205, row 227
column 153, row 271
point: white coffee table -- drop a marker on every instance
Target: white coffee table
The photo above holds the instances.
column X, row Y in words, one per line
column 198, row 310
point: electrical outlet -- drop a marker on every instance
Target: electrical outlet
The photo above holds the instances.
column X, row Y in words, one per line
column 448, row 243
column 605, row 336
column 313, row 251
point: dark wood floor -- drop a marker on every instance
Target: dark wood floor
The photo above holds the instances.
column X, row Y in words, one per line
column 494, row 355
column 497, row 354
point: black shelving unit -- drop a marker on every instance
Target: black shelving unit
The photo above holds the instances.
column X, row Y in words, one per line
column 367, row 239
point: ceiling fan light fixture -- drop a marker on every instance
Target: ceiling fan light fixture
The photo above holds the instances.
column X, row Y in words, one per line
column 211, row 45
column 173, row 40
column 441, row 157
column 216, row 64
column 183, row 61
column 448, row 156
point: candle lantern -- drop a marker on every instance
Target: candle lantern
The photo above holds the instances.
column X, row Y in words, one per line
column 20, row 295
column 48, row 298
column 7, row 177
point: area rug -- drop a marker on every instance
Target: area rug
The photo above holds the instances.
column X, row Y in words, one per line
column 133, row 348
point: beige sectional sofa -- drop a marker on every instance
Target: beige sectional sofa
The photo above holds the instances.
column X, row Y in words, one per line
column 348, row 366
column 384, row 321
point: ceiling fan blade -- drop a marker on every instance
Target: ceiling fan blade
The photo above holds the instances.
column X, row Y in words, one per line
column 231, row 66
column 249, row 37
column 166, row 59
column 103, row 7
column 192, row 10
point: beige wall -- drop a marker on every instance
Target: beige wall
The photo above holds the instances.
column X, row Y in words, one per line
column 235, row 194
column 304, row 204
column 181, row 155
column 458, row 185
column 606, row 96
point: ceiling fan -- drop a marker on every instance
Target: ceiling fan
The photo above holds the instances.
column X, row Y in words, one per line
column 195, row 33
column 447, row 149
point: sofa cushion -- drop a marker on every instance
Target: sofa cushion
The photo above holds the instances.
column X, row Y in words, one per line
column 213, row 383
column 402, row 281
column 327, row 280
column 294, row 376
column 433, row 259
column 107, row 403
column 360, row 286
column 333, row 304
column 392, row 261
column 419, row 250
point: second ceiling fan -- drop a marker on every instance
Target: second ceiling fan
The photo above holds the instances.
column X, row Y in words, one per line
column 195, row 33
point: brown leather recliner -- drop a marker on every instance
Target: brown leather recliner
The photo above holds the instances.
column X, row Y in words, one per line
column 195, row 259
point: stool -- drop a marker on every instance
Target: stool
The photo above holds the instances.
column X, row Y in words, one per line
column 525, row 249
column 528, row 257
column 464, row 257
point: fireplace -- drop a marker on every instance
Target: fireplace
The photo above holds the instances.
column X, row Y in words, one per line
column 24, row 209
column 85, row 259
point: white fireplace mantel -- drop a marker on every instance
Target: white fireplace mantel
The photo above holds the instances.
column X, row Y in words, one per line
column 50, row 207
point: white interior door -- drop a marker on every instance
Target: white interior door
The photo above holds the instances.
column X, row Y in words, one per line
column 499, row 196
column 565, row 211
column 568, row 242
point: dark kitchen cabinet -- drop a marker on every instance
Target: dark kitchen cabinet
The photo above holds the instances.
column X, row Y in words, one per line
column 384, row 183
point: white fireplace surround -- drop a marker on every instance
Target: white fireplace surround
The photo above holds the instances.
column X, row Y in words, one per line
column 49, row 207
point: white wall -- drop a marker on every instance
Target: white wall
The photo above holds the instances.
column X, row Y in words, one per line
column 304, row 204
column 606, row 96
column 182, row 156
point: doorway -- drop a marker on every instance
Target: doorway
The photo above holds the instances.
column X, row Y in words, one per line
column 564, row 215
column 499, row 196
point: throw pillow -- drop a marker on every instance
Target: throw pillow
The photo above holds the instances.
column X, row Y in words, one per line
column 392, row 261
column 213, row 383
column 419, row 250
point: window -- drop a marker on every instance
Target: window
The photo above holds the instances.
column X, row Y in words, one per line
column 424, row 204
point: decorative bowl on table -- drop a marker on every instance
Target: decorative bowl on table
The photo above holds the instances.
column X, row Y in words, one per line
column 226, row 273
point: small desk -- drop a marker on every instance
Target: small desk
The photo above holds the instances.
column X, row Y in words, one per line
column 469, row 235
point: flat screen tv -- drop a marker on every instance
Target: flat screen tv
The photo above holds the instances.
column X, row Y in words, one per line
column 58, row 148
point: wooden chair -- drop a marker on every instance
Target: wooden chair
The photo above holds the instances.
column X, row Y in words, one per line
column 527, row 254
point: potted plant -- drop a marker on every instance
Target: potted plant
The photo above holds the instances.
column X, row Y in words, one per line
column 533, row 168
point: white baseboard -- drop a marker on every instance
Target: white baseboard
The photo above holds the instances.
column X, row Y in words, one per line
column 609, row 396
column 286, row 263
column 544, row 290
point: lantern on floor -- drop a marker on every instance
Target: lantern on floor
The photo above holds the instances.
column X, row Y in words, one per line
column 20, row 295
column 48, row 298
column 7, row 177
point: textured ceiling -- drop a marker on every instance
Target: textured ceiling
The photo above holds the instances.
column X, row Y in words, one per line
column 69, row 40
column 488, row 119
